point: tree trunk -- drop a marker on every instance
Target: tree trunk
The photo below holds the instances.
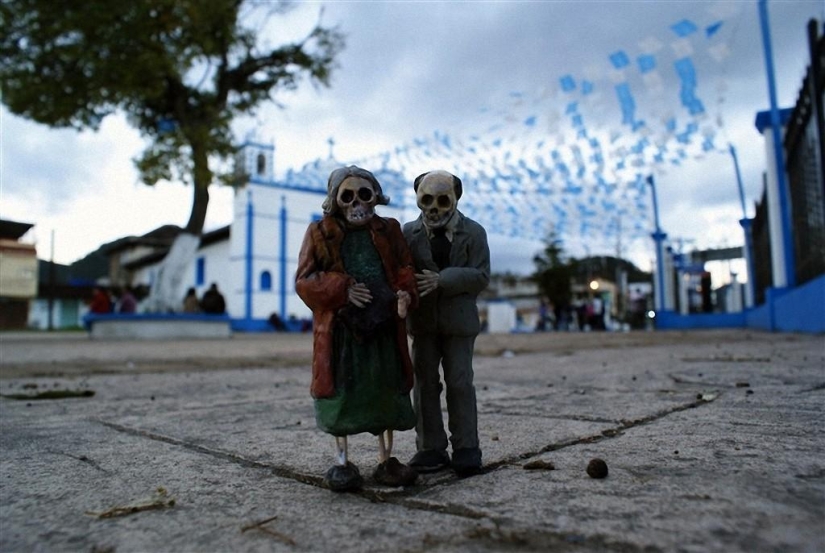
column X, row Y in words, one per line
column 170, row 283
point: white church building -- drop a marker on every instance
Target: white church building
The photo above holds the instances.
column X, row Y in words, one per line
column 253, row 260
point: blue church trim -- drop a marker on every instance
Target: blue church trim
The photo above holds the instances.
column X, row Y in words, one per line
column 283, row 257
column 248, row 265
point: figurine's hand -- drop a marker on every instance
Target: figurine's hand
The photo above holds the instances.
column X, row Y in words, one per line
column 404, row 301
column 427, row 281
column 359, row 295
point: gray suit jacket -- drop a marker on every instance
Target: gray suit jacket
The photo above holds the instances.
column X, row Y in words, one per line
column 451, row 309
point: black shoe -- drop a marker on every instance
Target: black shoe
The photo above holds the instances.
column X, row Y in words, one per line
column 342, row 478
column 394, row 473
column 467, row 461
column 429, row 460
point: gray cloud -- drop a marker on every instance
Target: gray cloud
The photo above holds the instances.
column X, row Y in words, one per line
column 411, row 68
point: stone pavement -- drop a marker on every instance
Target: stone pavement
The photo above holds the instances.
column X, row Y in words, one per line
column 714, row 442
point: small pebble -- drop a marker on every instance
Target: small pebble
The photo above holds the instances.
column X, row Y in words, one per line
column 597, row 468
column 743, row 385
column 494, row 437
column 538, row 464
column 748, row 392
column 676, row 452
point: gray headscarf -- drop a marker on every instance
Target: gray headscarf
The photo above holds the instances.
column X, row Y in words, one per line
column 330, row 205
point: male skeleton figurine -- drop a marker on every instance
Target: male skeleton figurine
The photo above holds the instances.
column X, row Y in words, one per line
column 452, row 263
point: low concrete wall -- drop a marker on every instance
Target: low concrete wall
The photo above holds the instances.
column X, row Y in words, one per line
column 670, row 320
column 151, row 327
column 801, row 309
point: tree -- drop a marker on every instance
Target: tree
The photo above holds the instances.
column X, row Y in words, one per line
column 181, row 70
column 608, row 267
column 554, row 272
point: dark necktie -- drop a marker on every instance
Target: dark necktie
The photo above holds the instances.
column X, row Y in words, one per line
column 440, row 247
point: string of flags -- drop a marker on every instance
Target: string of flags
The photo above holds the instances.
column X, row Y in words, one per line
column 572, row 159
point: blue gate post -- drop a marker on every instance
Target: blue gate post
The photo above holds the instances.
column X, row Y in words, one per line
column 776, row 127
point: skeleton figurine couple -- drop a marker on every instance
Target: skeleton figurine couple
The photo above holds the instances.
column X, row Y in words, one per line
column 362, row 276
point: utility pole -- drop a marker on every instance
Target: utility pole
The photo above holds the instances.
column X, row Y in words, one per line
column 51, row 284
column 659, row 238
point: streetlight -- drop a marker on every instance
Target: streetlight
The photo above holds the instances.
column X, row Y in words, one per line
column 746, row 227
column 659, row 237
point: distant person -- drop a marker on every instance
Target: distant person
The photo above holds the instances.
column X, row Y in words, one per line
column 277, row 323
column 190, row 302
column 126, row 303
column 101, row 302
column 541, row 324
column 212, row 302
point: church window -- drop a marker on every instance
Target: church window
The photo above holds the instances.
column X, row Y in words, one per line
column 266, row 281
column 200, row 271
column 261, row 164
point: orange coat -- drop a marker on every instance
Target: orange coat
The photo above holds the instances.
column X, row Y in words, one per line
column 322, row 282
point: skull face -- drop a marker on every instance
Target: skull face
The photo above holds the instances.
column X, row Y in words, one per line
column 436, row 198
column 357, row 200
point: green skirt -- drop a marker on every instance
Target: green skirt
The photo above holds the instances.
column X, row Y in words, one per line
column 369, row 386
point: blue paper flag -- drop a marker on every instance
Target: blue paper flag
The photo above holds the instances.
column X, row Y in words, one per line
column 568, row 84
column 713, row 29
column 687, row 73
column 619, row 59
column 684, row 28
column 646, row 63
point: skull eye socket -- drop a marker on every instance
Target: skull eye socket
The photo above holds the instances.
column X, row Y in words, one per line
column 365, row 194
column 426, row 200
column 347, row 196
column 444, row 201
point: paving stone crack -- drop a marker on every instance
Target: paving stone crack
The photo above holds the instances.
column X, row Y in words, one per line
column 405, row 498
column 626, row 424
column 225, row 455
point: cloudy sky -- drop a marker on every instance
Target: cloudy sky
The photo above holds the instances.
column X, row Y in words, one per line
column 414, row 71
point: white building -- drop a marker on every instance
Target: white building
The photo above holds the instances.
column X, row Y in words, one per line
column 253, row 260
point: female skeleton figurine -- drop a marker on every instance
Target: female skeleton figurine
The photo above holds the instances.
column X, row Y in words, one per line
column 356, row 274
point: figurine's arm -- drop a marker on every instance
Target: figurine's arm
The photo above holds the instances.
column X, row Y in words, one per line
column 320, row 290
column 404, row 281
column 472, row 279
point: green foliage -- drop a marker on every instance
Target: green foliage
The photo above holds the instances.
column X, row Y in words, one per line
column 181, row 70
column 554, row 272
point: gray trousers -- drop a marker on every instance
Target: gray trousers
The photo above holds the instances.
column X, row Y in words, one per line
column 455, row 355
